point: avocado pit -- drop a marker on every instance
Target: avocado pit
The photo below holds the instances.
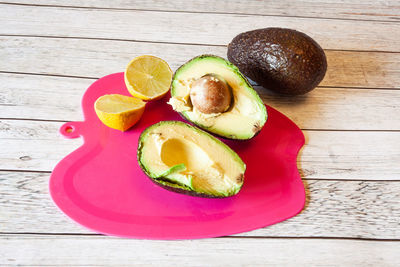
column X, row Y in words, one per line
column 210, row 94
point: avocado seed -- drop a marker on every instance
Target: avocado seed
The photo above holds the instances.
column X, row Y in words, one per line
column 210, row 94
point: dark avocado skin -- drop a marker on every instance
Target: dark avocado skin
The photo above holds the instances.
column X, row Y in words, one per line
column 282, row 60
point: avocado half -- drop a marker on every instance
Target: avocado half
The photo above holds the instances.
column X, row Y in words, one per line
column 247, row 113
column 185, row 159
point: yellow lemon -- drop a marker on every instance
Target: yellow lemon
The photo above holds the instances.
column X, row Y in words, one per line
column 148, row 77
column 118, row 111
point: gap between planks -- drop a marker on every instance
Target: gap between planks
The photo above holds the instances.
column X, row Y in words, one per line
column 218, row 237
column 303, row 178
column 130, row 40
column 253, row 84
column 303, row 129
column 169, row 43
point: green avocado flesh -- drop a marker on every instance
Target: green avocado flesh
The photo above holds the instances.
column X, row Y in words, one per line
column 187, row 160
column 247, row 113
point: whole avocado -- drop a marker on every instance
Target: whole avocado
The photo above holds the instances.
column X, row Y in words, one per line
column 283, row 60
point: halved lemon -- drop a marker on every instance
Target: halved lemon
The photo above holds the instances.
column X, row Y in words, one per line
column 118, row 111
column 148, row 77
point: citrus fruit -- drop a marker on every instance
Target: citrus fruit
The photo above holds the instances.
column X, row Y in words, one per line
column 118, row 111
column 148, row 77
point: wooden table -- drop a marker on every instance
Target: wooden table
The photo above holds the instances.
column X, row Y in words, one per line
column 52, row 50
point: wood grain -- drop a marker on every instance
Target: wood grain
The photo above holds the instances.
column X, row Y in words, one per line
column 96, row 58
column 97, row 250
column 348, row 9
column 362, row 69
column 36, row 145
column 59, row 98
column 194, row 28
column 340, row 209
column 339, row 108
column 352, row 176
column 38, row 97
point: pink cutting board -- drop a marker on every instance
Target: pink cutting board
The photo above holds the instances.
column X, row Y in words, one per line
column 101, row 186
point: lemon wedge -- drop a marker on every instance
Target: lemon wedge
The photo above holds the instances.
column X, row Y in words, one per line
column 148, row 77
column 118, row 111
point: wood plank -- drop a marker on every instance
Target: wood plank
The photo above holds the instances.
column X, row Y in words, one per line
column 363, row 69
column 340, row 209
column 36, row 145
column 339, row 108
column 96, row 58
column 27, row 97
column 97, row 250
column 348, row 9
column 198, row 28
column 88, row 58
column 38, row 97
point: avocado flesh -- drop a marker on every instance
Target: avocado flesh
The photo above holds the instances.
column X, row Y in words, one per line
column 179, row 156
column 247, row 114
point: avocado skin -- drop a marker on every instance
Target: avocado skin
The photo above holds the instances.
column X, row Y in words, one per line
column 282, row 60
column 186, row 192
column 170, row 188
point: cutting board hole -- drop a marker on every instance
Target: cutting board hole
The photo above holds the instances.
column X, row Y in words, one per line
column 69, row 129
